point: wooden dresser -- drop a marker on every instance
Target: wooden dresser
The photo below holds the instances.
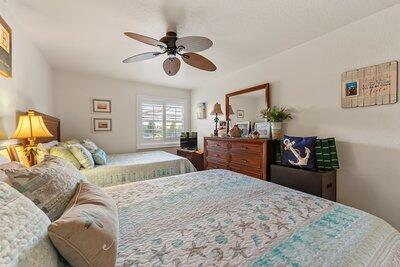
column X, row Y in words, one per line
column 252, row 157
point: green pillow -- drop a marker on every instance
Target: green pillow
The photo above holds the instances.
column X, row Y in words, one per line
column 100, row 157
column 82, row 155
column 64, row 153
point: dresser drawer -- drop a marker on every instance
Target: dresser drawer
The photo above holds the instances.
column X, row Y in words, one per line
column 215, row 165
column 250, row 161
column 216, row 145
column 245, row 171
column 238, row 147
column 218, row 154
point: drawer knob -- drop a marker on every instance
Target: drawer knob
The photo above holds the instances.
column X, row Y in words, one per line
column 244, row 160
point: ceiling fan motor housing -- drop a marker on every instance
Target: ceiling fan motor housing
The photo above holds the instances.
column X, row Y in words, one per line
column 170, row 39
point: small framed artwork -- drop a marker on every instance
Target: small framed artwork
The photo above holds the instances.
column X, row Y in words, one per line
column 102, row 125
column 245, row 127
column 101, row 105
column 19, row 154
column 4, row 155
column 201, row 110
column 240, row 114
column 5, row 49
column 351, row 88
column 263, row 128
column 222, row 124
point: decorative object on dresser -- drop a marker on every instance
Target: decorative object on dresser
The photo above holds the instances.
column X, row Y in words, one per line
column 245, row 127
column 5, row 49
column 319, row 183
column 236, row 131
column 374, row 85
column 195, row 157
column 101, row 105
column 30, row 127
column 253, row 95
column 252, row 157
column 102, row 125
column 201, row 110
column 216, row 111
column 275, row 116
column 263, row 128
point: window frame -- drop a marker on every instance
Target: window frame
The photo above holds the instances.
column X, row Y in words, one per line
column 143, row 144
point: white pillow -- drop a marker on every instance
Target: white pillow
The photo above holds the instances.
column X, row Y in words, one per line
column 43, row 149
column 90, row 145
column 24, row 240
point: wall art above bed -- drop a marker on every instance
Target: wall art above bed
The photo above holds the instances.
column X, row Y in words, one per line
column 5, row 49
column 101, row 105
column 102, row 125
column 374, row 85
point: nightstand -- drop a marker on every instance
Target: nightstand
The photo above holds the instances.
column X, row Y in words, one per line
column 317, row 183
column 195, row 157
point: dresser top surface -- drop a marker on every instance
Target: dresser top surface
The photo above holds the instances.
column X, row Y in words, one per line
column 238, row 139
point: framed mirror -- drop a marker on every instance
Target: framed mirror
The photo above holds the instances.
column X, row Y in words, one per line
column 243, row 107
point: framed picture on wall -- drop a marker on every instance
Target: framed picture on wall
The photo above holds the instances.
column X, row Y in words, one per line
column 101, row 105
column 240, row 114
column 5, row 49
column 263, row 128
column 102, row 125
column 201, row 110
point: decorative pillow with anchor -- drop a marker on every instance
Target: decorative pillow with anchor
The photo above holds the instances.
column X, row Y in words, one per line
column 299, row 152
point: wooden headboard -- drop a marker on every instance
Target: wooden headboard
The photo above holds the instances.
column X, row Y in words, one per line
column 52, row 124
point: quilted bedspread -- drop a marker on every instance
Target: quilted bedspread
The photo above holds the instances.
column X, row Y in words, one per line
column 222, row 218
column 139, row 166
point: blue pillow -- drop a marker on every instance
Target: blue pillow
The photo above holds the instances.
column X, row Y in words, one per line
column 100, row 157
column 299, row 152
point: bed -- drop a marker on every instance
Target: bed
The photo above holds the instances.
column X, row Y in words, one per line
column 218, row 218
column 133, row 167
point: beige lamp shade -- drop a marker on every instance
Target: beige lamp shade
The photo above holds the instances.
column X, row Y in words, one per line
column 31, row 126
column 217, row 110
column 230, row 112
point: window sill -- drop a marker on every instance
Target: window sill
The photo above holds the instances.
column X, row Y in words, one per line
column 150, row 146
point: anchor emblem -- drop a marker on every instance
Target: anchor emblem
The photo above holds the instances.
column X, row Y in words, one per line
column 300, row 160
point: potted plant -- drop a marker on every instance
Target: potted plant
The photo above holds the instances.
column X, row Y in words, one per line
column 275, row 116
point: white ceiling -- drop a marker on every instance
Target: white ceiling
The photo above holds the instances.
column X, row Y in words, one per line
column 87, row 35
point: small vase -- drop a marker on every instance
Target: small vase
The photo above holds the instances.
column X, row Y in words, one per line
column 276, row 130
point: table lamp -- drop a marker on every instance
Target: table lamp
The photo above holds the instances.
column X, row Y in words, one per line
column 31, row 127
column 216, row 111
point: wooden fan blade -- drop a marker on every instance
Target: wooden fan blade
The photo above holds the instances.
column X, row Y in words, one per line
column 194, row 43
column 145, row 39
column 140, row 57
column 197, row 61
column 171, row 66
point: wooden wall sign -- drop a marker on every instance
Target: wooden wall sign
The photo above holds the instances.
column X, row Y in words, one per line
column 374, row 85
column 5, row 49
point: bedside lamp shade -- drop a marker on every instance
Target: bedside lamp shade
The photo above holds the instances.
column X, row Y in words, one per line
column 217, row 110
column 31, row 126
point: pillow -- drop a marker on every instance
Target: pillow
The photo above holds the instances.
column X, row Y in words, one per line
column 9, row 166
column 90, row 145
column 100, row 157
column 43, row 149
column 82, row 155
column 23, row 232
column 87, row 233
column 50, row 184
column 299, row 152
column 64, row 153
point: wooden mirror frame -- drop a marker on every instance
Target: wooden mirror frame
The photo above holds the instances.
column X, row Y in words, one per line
column 264, row 86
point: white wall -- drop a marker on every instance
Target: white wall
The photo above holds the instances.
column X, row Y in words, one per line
column 307, row 79
column 73, row 93
column 31, row 84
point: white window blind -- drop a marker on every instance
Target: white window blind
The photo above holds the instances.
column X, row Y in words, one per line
column 160, row 121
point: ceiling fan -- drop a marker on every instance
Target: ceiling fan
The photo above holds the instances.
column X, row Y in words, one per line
column 173, row 46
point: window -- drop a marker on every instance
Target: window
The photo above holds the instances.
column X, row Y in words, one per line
column 160, row 121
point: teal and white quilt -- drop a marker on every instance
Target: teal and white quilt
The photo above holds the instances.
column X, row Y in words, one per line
column 133, row 167
column 222, row 218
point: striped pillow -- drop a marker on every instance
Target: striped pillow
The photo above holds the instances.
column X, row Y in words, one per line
column 84, row 157
column 64, row 153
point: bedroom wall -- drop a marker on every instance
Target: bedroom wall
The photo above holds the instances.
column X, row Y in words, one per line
column 31, row 84
column 73, row 93
column 307, row 79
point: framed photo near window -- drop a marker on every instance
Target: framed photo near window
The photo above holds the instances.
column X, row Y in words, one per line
column 19, row 154
column 101, row 105
column 5, row 49
column 245, row 127
column 4, row 155
column 263, row 128
column 102, row 125
column 240, row 114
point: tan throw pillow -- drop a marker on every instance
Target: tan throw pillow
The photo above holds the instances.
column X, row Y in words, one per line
column 50, row 184
column 87, row 233
column 64, row 153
